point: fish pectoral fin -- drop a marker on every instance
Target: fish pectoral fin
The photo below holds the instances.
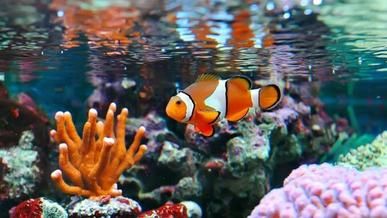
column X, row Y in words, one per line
column 269, row 97
column 241, row 82
column 237, row 116
column 205, row 129
column 208, row 116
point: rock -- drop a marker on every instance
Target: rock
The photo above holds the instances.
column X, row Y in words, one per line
column 105, row 207
column 21, row 172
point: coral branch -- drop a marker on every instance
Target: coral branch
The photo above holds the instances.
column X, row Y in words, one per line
column 94, row 162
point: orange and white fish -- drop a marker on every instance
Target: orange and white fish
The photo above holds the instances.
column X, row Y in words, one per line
column 211, row 99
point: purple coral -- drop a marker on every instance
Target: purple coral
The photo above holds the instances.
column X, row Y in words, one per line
column 327, row 191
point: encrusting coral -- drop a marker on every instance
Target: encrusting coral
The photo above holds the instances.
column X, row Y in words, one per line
column 366, row 156
column 94, row 162
column 327, row 191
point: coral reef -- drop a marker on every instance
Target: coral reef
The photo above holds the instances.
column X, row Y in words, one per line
column 180, row 160
column 38, row 208
column 107, row 206
column 21, row 172
column 158, row 134
column 94, row 162
column 344, row 144
column 327, row 191
column 229, row 172
column 369, row 155
column 185, row 209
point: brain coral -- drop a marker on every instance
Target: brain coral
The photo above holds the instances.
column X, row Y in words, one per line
column 369, row 155
column 327, row 191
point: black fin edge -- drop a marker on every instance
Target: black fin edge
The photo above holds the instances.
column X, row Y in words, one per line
column 244, row 77
column 216, row 118
column 213, row 133
column 247, row 111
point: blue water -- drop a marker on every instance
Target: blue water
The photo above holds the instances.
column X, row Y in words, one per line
column 171, row 44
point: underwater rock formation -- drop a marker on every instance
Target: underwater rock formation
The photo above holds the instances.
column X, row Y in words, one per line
column 19, row 116
column 38, row 208
column 366, row 156
column 94, row 162
column 327, row 191
column 157, row 132
column 229, row 172
column 21, row 169
column 119, row 91
column 119, row 207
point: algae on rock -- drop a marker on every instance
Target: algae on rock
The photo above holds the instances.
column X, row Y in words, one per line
column 368, row 155
column 23, row 173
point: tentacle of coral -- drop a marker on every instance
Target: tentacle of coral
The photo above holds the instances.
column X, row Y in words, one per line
column 85, row 138
column 62, row 136
column 120, row 132
column 140, row 153
column 72, row 131
column 108, row 143
column 99, row 143
column 93, row 128
column 134, row 153
column 108, row 127
column 70, row 171
column 119, row 150
column 136, row 141
column 105, row 129
column 73, row 135
column 61, row 129
column 94, row 162
column 57, row 177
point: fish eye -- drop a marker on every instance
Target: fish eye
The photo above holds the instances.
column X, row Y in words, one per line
column 178, row 102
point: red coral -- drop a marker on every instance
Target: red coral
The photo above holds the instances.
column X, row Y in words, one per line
column 27, row 209
column 17, row 117
column 168, row 210
column 214, row 164
column 3, row 185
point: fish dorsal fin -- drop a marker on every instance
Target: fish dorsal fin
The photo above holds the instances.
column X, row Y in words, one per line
column 241, row 82
column 207, row 77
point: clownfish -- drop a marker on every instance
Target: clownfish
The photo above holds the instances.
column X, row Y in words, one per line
column 211, row 99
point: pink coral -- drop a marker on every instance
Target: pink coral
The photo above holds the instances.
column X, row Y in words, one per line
column 327, row 191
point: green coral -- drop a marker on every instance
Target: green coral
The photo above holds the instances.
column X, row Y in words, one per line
column 188, row 188
column 344, row 144
column 52, row 209
column 368, row 155
column 23, row 172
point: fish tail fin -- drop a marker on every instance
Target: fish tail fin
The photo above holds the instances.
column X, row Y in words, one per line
column 266, row 97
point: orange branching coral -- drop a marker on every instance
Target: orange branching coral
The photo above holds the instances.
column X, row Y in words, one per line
column 94, row 162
